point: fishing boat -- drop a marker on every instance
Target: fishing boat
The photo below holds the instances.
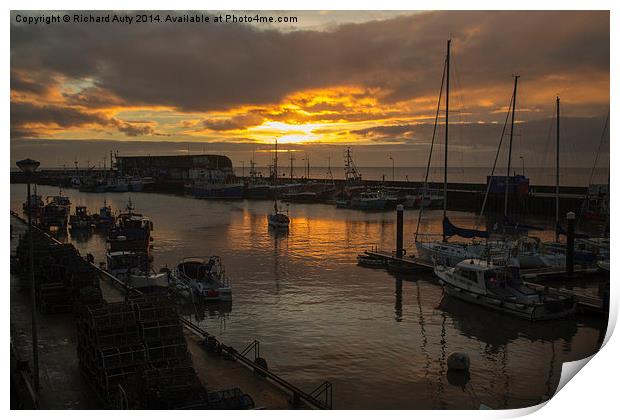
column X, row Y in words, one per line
column 278, row 219
column 105, row 218
column 208, row 189
column 369, row 200
column 132, row 267
column 56, row 212
column 152, row 283
column 122, row 264
column 117, row 184
column 201, row 280
column 81, row 220
column 92, row 184
column 131, row 232
column 498, row 288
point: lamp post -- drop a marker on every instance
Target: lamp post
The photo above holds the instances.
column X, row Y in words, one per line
column 28, row 167
column 392, row 159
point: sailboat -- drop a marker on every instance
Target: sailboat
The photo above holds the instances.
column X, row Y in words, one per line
column 277, row 219
column 442, row 251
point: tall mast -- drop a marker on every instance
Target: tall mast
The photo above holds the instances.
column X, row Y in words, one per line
column 275, row 164
column 557, row 168
column 445, row 159
column 430, row 154
column 292, row 159
column 512, row 129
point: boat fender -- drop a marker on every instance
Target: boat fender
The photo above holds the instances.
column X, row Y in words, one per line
column 458, row 361
column 262, row 363
column 458, row 378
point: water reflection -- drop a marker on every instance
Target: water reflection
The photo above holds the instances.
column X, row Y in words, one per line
column 382, row 338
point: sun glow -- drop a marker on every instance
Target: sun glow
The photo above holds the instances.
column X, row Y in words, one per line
column 286, row 133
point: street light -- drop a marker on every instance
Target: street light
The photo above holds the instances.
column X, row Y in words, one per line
column 392, row 159
column 29, row 167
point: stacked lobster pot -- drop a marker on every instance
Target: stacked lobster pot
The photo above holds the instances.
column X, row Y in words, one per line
column 136, row 355
column 109, row 347
column 63, row 278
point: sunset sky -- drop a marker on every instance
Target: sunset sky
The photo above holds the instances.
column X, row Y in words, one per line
column 365, row 79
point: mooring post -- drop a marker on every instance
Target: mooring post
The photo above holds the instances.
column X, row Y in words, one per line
column 570, row 242
column 399, row 230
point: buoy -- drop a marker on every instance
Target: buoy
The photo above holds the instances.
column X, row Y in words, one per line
column 458, row 378
column 458, row 361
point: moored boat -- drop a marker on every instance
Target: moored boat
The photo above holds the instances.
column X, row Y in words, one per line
column 56, row 211
column 105, row 218
column 81, row 220
column 499, row 288
column 201, row 280
column 369, row 200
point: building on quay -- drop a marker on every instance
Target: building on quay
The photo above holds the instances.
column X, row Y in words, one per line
column 177, row 167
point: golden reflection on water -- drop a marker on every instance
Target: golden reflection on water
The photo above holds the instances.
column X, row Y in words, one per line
column 381, row 339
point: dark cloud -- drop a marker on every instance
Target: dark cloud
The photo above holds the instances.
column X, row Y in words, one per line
column 234, row 123
column 23, row 113
column 26, row 114
column 218, row 66
column 39, row 85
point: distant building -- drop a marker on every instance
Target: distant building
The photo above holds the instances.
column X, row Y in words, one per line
column 179, row 167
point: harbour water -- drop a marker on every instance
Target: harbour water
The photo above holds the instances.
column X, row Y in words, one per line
column 382, row 340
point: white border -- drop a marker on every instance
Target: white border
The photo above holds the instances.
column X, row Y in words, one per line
column 593, row 394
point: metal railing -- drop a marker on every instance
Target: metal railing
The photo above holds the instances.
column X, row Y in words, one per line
column 311, row 399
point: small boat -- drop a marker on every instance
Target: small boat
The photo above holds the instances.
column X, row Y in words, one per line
column 210, row 189
column 117, row 184
column 201, row 280
column 278, row 219
column 105, row 218
column 149, row 282
column 371, row 261
column 56, row 212
column 370, row 200
column 499, row 288
column 122, row 264
column 131, row 232
column 81, row 220
column 92, row 184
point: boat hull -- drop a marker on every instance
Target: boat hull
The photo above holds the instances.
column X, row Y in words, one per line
column 538, row 312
